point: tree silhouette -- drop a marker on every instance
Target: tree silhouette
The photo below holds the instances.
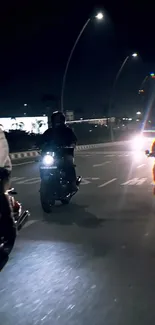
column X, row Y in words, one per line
column 40, row 123
column 21, row 125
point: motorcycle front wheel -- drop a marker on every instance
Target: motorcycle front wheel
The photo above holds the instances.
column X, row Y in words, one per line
column 8, row 229
column 46, row 201
column 7, row 235
column 65, row 201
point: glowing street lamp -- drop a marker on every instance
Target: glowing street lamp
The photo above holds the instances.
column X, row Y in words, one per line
column 134, row 55
column 99, row 16
column 138, row 113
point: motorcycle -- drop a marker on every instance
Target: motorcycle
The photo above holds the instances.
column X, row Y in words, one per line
column 10, row 224
column 152, row 155
column 54, row 183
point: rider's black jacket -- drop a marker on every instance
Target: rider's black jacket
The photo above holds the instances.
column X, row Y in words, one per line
column 61, row 136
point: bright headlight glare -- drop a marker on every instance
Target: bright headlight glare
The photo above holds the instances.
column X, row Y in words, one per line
column 138, row 142
column 48, row 160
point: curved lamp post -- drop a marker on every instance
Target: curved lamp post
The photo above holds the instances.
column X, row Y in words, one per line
column 99, row 16
column 134, row 55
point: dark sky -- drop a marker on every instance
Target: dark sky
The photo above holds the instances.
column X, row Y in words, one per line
column 36, row 40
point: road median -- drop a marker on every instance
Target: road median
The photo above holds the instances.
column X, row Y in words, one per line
column 34, row 153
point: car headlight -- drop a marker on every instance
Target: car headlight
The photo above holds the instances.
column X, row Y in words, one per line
column 138, row 142
column 48, row 160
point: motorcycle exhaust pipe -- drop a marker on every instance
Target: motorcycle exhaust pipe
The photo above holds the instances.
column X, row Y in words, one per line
column 22, row 220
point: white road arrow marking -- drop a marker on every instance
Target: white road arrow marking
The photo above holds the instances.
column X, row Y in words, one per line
column 29, row 181
column 132, row 181
column 35, row 180
column 141, row 181
column 85, row 181
column 135, row 181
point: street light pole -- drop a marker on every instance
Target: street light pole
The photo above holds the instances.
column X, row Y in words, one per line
column 68, row 61
column 143, row 82
column 98, row 16
column 113, row 90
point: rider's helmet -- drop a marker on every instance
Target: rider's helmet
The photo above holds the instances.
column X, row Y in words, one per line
column 57, row 119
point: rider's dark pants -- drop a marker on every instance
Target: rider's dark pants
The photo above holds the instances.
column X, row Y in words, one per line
column 69, row 168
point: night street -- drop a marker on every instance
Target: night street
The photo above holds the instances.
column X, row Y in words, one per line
column 92, row 261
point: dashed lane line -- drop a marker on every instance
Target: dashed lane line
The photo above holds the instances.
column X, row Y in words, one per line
column 107, row 183
column 102, row 164
column 24, row 163
column 142, row 165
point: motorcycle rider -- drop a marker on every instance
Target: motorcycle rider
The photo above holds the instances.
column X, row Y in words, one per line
column 7, row 226
column 5, row 162
column 60, row 135
column 153, row 169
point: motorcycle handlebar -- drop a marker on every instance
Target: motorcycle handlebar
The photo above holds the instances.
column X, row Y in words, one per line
column 59, row 147
column 150, row 154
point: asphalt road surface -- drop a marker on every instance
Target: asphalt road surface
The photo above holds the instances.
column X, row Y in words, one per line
column 93, row 261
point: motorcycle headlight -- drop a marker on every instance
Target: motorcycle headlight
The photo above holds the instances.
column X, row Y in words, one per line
column 48, row 160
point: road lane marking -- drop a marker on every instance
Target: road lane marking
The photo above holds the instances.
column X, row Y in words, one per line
column 135, row 181
column 132, row 181
column 94, row 178
column 24, row 163
column 35, row 180
column 29, row 223
column 29, row 181
column 15, row 179
column 102, row 164
column 85, row 181
column 109, row 182
column 141, row 181
column 141, row 165
column 110, row 155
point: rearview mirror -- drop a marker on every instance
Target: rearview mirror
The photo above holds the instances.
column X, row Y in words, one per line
column 147, row 152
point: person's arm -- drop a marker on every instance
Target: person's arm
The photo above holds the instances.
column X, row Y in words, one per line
column 4, row 152
column 43, row 139
column 73, row 138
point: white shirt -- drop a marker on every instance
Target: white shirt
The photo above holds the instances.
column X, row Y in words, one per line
column 5, row 161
